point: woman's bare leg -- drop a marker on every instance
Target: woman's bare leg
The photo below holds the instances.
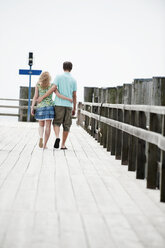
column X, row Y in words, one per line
column 47, row 132
column 41, row 132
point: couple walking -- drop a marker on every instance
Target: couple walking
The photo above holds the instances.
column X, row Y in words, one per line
column 60, row 111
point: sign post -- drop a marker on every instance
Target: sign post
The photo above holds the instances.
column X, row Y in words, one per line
column 29, row 72
column 29, row 95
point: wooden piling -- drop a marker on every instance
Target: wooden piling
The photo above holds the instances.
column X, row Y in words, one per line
column 127, row 93
column 23, row 94
column 158, row 91
column 113, row 132
column 119, row 136
column 125, row 140
column 162, row 169
column 111, row 97
column 141, row 145
column 153, row 155
column 88, row 94
column 119, row 96
column 96, row 111
column 132, row 144
column 109, row 132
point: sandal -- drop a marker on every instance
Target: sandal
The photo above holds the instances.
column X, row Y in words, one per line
column 64, row 148
column 41, row 143
column 57, row 142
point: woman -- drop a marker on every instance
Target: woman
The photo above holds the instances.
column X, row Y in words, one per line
column 45, row 109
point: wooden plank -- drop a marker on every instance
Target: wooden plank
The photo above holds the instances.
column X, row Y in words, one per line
column 7, row 137
column 12, row 179
column 122, row 232
column 64, row 191
column 19, row 230
column 46, row 230
column 45, row 198
column 28, row 190
column 97, row 232
column 71, row 231
column 3, row 157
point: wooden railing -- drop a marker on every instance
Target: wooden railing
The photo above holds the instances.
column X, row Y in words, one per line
column 19, row 114
column 135, row 134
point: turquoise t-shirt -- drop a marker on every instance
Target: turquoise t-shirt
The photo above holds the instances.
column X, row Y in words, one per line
column 66, row 84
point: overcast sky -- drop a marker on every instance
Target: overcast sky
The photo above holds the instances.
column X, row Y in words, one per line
column 110, row 42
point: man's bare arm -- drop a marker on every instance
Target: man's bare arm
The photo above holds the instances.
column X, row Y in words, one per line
column 52, row 89
column 74, row 102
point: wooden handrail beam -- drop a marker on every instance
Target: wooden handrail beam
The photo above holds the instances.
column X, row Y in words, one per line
column 152, row 137
column 144, row 108
column 9, row 99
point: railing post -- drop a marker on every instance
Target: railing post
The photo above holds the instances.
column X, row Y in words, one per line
column 109, row 131
column 102, row 127
column 113, row 132
column 153, row 155
column 89, row 120
column 92, row 123
column 118, row 135
column 111, row 97
column 79, row 119
column 132, row 145
column 86, row 118
column 125, row 139
column 102, row 94
column 105, row 129
column 96, row 111
column 103, row 139
column 162, row 169
column 141, row 144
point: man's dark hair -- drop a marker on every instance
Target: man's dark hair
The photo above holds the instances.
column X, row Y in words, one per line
column 67, row 66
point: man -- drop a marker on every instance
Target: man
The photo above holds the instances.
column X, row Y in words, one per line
column 66, row 86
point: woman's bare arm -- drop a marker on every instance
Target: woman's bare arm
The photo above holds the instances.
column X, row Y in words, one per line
column 34, row 100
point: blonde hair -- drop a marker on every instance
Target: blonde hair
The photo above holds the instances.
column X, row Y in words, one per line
column 45, row 80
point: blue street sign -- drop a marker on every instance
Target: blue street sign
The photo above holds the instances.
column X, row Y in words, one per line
column 29, row 72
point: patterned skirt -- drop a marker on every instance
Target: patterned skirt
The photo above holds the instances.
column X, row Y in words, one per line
column 45, row 113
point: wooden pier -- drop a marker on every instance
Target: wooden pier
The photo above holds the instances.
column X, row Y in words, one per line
column 79, row 198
